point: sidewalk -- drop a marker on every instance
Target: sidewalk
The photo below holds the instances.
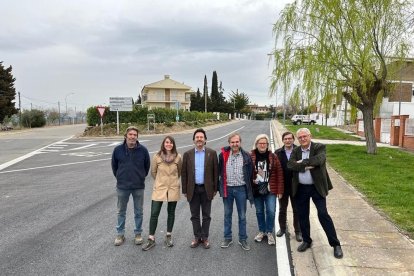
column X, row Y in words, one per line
column 371, row 244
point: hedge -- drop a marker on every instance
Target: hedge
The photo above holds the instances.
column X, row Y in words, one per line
column 139, row 115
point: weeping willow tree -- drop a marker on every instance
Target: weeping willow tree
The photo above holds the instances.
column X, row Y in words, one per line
column 336, row 45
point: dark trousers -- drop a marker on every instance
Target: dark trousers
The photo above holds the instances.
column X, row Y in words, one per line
column 155, row 212
column 200, row 200
column 283, row 204
column 302, row 200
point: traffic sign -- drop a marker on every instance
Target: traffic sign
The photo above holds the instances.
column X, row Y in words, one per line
column 120, row 103
column 101, row 110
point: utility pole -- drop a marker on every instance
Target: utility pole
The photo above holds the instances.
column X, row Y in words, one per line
column 59, row 111
column 20, row 111
column 30, row 117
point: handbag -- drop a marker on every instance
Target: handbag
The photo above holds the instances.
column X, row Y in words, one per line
column 263, row 188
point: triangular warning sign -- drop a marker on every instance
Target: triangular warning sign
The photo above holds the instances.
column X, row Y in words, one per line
column 101, row 110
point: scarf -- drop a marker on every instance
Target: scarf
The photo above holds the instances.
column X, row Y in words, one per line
column 168, row 158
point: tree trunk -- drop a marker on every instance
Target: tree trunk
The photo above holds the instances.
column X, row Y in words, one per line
column 368, row 118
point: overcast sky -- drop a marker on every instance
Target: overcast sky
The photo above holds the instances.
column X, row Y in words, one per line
column 87, row 51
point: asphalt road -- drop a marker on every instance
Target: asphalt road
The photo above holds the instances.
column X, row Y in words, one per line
column 16, row 143
column 58, row 215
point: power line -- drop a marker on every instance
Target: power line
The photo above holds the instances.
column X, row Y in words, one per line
column 34, row 99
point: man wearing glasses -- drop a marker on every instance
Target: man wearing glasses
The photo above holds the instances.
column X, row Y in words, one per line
column 311, row 180
column 235, row 175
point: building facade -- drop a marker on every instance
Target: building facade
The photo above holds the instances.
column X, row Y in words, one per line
column 166, row 93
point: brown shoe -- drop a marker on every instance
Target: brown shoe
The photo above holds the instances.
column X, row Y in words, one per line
column 206, row 244
column 195, row 243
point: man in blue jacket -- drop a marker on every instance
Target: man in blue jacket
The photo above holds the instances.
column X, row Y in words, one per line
column 130, row 166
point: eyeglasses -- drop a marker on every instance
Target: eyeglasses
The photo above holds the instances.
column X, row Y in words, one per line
column 263, row 144
column 303, row 137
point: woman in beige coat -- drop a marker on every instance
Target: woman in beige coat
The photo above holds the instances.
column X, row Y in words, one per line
column 166, row 170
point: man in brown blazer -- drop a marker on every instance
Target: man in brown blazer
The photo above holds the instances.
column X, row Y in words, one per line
column 199, row 178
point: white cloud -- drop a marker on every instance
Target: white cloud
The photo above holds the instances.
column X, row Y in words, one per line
column 98, row 49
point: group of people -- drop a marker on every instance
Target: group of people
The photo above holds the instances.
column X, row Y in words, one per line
column 258, row 176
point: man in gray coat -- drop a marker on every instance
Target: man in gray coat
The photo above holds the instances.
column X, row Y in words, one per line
column 311, row 180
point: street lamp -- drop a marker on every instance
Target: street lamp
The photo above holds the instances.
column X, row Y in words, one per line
column 66, row 102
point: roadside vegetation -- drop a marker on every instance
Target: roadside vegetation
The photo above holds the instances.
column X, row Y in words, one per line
column 156, row 128
column 386, row 179
column 162, row 120
column 324, row 132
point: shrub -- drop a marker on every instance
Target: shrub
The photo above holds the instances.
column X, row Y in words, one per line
column 168, row 124
column 139, row 115
column 33, row 118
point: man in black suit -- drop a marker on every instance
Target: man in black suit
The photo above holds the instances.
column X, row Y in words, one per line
column 311, row 180
column 283, row 154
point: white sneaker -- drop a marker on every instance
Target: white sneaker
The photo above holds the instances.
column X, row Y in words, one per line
column 270, row 239
column 259, row 236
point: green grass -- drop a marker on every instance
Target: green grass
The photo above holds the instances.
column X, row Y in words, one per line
column 386, row 179
column 324, row 132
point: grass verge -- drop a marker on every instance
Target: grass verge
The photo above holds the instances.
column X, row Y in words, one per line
column 324, row 132
column 386, row 179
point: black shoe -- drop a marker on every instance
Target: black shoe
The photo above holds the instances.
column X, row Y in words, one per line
column 303, row 246
column 298, row 237
column 338, row 252
column 280, row 233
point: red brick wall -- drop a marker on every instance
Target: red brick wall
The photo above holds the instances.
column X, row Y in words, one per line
column 408, row 142
column 377, row 129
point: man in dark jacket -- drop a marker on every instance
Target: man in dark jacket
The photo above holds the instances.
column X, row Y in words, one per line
column 283, row 154
column 130, row 166
column 235, row 178
column 311, row 180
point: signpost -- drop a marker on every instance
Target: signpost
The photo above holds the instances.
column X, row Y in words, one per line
column 101, row 111
column 120, row 104
column 151, row 121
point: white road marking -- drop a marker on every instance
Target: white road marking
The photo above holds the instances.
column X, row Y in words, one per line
column 86, row 154
column 282, row 257
column 53, row 166
column 114, row 144
column 21, row 158
column 86, row 146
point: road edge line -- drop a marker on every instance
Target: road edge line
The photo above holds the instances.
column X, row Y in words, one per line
column 282, row 254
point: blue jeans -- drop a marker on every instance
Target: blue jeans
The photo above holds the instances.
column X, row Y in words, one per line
column 238, row 194
column 265, row 220
column 123, row 198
